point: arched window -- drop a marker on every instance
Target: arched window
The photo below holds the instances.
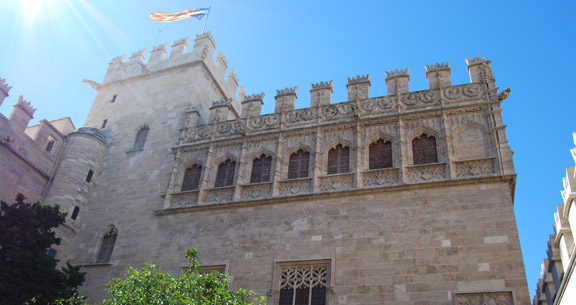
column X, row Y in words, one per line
column 225, row 175
column 298, row 164
column 380, row 154
column 141, row 137
column 338, row 160
column 108, row 241
column 261, row 169
column 191, row 180
column 75, row 213
column 424, row 149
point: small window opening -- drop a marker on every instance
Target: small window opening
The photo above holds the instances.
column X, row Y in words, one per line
column 50, row 145
column 114, row 98
column 141, row 137
column 104, row 124
column 75, row 213
column 89, row 176
column 51, row 253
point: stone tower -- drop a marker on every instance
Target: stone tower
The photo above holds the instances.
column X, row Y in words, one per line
column 399, row 199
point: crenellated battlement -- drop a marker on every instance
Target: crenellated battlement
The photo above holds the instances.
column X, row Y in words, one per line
column 440, row 95
column 202, row 53
column 4, row 89
column 26, row 106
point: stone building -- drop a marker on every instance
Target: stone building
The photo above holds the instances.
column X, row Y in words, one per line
column 400, row 199
column 556, row 285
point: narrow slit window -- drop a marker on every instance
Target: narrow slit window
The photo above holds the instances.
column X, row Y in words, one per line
column 50, row 145
column 89, row 176
column 75, row 213
column 113, row 100
column 104, row 124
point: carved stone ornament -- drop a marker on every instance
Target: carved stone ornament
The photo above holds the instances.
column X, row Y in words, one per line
column 425, row 172
column 489, row 298
column 255, row 191
column 472, row 168
column 294, row 187
column 307, row 277
column 463, row 91
column 184, row 199
column 387, row 176
column 219, row 195
column 337, row 182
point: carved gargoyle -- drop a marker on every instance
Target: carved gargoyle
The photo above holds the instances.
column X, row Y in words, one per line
column 92, row 83
column 504, row 94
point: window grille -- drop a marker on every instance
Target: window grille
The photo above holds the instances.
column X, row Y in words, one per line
column 424, row 149
column 225, row 175
column 191, row 180
column 380, row 154
column 298, row 164
column 338, row 160
column 261, row 168
column 304, row 285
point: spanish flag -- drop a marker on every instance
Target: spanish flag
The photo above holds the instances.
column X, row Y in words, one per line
column 165, row 17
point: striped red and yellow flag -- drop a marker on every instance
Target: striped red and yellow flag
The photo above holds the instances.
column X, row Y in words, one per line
column 166, row 17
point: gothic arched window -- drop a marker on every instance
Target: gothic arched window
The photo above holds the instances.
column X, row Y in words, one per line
column 191, row 181
column 424, row 149
column 107, row 245
column 380, row 154
column 261, row 168
column 298, row 164
column 338, row 160
column 141, row 137
column 225, row 175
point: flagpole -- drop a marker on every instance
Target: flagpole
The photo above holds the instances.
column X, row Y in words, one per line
column 206, row 20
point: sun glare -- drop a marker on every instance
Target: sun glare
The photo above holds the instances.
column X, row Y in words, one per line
column 31, row 8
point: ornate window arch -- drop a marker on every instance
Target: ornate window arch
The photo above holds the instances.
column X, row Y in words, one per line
column 225, row 174
column 192, row 178
column 107, row 245
column 380, row 154
column 338, row 160
column 299, row 164
column 141, row 136
column 261, row 168
column 303, row 284
column 424, row 149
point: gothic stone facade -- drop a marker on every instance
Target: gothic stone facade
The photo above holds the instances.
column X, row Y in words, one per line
column 400, row 199
column 556, row 285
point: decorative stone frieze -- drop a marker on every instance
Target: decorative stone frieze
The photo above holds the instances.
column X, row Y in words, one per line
column 426, row 172
column 474, row 168
column 380, row 177
column 337, row 182
column 491, row 298
column 184, row 199
column 218, row 195
column 295, row 186
column 256, row 191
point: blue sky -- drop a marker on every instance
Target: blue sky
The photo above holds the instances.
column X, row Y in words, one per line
column 49, row 46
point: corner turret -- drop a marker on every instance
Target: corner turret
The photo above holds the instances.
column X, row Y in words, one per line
column 204, row 46
column 22, row 114
column 4, row 89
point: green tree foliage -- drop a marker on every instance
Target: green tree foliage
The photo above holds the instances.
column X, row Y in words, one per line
column 150, row 285
column 26, row 271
